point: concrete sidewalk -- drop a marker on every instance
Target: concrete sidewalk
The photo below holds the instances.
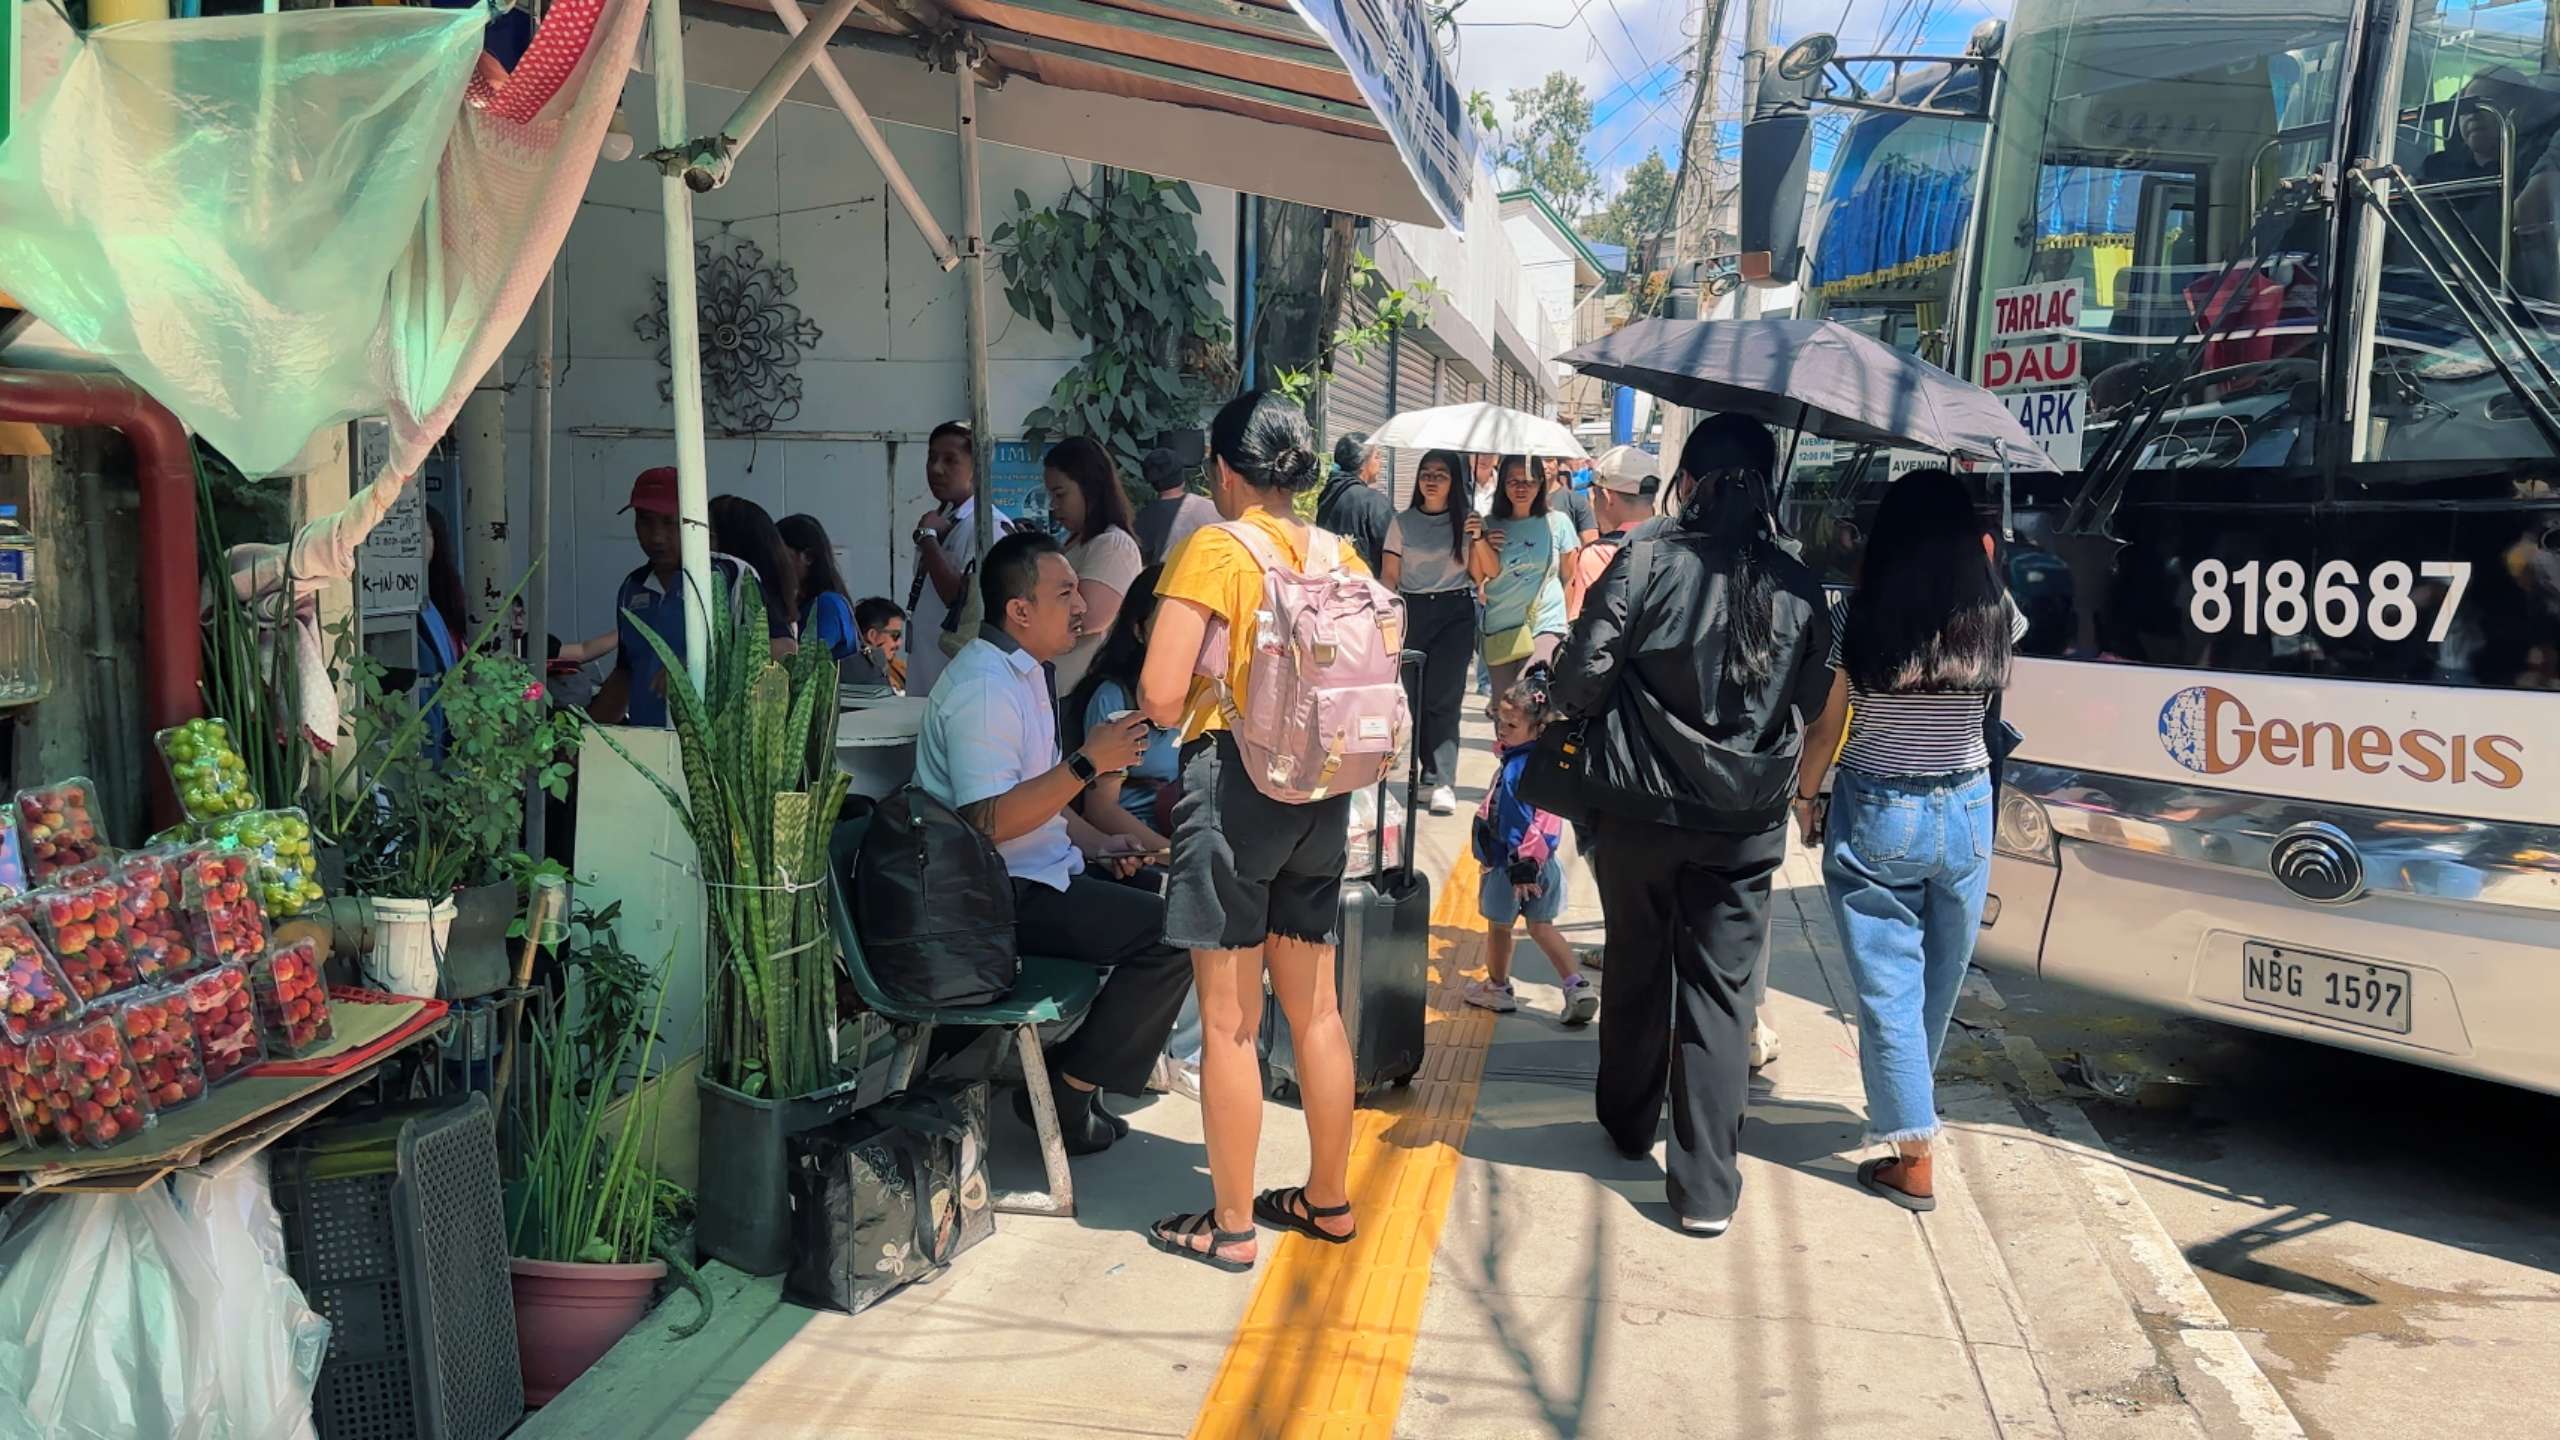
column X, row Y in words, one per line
column 2041, row 1299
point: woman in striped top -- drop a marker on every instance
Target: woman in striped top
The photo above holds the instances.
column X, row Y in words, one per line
column 1921, row 649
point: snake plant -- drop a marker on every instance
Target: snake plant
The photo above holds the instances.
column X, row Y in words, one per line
column 762, row 791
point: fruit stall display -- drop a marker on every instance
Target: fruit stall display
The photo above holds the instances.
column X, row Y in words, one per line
column 34, row 996
column 217, row 895
column 225, row 1017
column 60, row 828
column 206, row 770
column 293, row 1004
column 160, row 1035
column 84, row 923
column 280, row 847
column 76, row 1087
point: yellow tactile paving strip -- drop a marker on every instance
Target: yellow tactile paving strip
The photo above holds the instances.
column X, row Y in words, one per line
column 1323, row 1348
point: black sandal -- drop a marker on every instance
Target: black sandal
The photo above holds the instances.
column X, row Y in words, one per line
column 1173, row 1233
column 1276, row 1209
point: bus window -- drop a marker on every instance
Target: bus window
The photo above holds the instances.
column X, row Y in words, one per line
column 2479, row 133
column 2137, row 151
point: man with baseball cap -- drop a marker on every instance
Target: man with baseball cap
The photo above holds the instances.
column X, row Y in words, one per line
column 636, row 692
column 1624, row 493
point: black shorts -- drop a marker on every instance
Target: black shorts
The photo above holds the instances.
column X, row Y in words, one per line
column 1246, row 866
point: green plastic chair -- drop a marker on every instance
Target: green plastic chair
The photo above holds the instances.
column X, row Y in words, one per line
column 1049, row 991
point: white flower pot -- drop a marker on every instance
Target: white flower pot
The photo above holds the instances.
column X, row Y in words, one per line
column 408, row 946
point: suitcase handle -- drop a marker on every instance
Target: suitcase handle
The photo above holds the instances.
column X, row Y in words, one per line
column 1408, row 661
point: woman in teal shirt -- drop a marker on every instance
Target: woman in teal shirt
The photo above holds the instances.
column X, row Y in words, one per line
column 1520, row 561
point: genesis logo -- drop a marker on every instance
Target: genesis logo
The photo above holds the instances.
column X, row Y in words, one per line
column 2317, row 862
column 2211, row 731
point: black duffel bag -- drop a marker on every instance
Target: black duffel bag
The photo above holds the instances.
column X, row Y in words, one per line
column 933, row 905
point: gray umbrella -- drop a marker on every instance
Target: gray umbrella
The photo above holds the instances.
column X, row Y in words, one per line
column 1817, row 376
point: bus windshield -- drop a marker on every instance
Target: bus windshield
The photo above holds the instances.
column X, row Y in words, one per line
column 2138, row 155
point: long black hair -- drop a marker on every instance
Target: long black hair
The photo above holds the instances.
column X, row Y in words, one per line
column 1462, row 495
column 744, row 530
column 1930, row 614
column 1119, row 660
column 1502, row 488
column 1106, row 505
column 1729, row 460
column 444, row 579
column 1263, row 437
column 809, row 544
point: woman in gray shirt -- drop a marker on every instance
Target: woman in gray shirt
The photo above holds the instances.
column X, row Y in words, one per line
column 1426, row 563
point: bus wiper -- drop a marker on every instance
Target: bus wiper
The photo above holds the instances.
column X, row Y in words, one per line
column 2103, row 484
column 2472, row 298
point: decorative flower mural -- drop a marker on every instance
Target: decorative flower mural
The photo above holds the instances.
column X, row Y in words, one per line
column 753, row 337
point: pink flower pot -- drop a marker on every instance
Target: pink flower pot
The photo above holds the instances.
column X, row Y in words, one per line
column 568, row 1315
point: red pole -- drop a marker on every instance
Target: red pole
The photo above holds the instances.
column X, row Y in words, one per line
column 172, row 596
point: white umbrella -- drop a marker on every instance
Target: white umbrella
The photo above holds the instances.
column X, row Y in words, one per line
column 1481, row 428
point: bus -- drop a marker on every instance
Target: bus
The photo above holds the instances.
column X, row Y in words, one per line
column 2279, row 290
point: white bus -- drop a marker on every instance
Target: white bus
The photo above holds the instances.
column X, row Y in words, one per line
column 2280, row 288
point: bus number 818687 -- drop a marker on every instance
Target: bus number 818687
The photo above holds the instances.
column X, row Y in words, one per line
column 2283, row 598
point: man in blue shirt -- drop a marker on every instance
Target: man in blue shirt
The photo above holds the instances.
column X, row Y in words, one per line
column 636, row 692
column 990, row 750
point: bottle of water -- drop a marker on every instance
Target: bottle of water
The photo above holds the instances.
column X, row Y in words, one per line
column 23, row 677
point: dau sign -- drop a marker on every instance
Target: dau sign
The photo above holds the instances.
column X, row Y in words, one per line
column 1387, row 45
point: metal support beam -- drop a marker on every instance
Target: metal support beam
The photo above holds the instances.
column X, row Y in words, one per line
column 840, row 90
column 537, row 590
column 684, row 340
column 710, row 170
column 973, row 277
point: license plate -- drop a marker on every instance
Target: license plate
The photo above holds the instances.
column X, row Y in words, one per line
column 2351, row 992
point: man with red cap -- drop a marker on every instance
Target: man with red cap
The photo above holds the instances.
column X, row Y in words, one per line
column 636, row 692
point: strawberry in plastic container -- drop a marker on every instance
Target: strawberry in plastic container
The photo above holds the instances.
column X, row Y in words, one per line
column 34, row 995
column 61, row 827
column 85, row 924
column 226, row 1022
column 76, row 1087
column 160, row 1035
column 149, row 893
column 293, row 1004
column 218, row 893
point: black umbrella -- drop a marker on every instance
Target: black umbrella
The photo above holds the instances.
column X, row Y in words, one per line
column 1817, row 376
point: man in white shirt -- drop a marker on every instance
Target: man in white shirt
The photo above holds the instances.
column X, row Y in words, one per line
column 990, row 751
column 946, row 551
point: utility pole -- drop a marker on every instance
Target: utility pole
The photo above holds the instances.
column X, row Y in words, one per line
column 1693, row 220
column 1755, row 60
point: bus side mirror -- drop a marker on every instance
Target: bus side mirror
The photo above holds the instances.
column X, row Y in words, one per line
column 1777, row 157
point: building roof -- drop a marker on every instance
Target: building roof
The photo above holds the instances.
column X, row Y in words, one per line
column 1513, row 201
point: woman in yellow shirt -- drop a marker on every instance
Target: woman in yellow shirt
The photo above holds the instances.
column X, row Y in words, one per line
column 1255, row 882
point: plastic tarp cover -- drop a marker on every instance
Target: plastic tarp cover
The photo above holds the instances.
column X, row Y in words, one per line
column 127, row 1315
column 274, row 223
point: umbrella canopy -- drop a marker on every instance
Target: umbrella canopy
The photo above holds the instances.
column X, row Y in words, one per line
column 1481, row 428
column 1817, row 376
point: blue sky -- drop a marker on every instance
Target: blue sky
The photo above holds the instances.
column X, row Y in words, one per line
column 1633, row 56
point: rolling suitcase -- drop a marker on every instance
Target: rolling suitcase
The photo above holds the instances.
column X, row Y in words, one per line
column 1381, row 968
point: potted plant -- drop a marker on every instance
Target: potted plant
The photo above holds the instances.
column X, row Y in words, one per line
column 584, row 1204
column 762, row 794
column 419, row 827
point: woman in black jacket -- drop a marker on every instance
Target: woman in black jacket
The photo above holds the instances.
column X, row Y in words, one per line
column 1700, row 656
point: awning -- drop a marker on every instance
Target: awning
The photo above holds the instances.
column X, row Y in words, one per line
column 1186, row 89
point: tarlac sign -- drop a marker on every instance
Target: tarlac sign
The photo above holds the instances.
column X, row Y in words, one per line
column 2033, row 364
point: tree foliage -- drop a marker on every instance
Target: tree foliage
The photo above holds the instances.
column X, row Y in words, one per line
column 1642, row 208
column 1543, row 147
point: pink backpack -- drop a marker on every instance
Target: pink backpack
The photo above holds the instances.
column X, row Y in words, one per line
column 1327, row 709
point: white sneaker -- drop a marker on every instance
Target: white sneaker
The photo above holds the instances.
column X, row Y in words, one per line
column 1485, row 995
column 1581, row 1002
column 1444, row 801
column 1706, row 1228
column 1764, row 1044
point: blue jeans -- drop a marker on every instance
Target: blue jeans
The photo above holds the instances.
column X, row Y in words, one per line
column 1907, row 860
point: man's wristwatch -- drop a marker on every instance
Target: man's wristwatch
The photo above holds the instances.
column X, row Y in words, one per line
column 1082, row 767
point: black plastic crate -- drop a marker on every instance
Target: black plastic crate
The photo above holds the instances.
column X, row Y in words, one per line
column 395, row 1229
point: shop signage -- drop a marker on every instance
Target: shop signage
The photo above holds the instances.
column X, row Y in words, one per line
column 391, row 565
column 1387, row 45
